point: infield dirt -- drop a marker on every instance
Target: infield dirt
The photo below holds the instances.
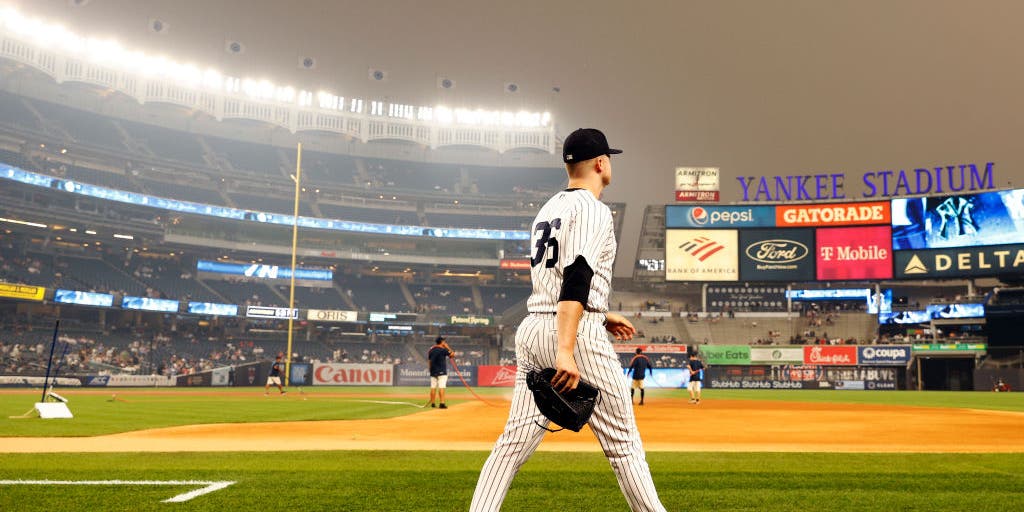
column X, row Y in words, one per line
column 665, row 425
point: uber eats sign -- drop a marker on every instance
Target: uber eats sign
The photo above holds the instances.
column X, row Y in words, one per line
column 725, row 354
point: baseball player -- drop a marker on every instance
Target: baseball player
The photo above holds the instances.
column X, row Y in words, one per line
column 438, row 359
column 274, row 377
column 574, row 250
column 639, row 366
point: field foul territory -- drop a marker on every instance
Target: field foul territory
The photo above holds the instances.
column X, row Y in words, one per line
column 207, row 488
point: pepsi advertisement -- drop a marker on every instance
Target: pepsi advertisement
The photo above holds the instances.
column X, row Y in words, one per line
column 679, row 216
column 777, row 255
column 987, row 218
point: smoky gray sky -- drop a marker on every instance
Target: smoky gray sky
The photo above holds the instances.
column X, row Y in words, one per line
column 756, row 88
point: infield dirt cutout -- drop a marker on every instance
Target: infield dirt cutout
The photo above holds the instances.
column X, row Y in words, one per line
column 666, row 424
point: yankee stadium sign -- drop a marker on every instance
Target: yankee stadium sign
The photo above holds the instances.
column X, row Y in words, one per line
column 888, row 183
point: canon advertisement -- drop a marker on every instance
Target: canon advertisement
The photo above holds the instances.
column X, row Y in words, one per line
column 849, row 254
column 777, row 255
column 701, row 255
column 988, row 218
column 343, row 374
column 958, row 262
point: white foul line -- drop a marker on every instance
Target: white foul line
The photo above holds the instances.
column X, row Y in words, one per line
column 208, row 486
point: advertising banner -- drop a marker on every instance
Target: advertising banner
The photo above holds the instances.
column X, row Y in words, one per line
column 195, row 380
column 679, row 216
column 697, row 184
column 83, row 298
column 830, row 355
column 300, row 374
column 496, row 376
column 212, row 308
column 854, row 253
column 777, row 255
column 844, row 214
column 859, row 378
column 950, row 347
column 22, row 291
column 150, row 304
column 412, row 375
column 737, row 297
column 725, row 354
column 470, row 320
column 969, row 220
column 267, row 312
column 220, row 376
column 331, row 315
column 252, row 374
column 884, row 354
column 778, row 355
column 959, row 262
column 654, row 348
column 124, row 381
column 260, row 270
column 701, row 255
column 514, row 264
column 345, row 374
column 663, row 378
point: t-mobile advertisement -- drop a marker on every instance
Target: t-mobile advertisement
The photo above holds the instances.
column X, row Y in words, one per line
column 846, row 254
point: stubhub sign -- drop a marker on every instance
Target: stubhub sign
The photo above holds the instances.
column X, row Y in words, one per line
column 680, row 216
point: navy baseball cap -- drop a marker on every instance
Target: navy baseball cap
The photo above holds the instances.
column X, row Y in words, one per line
column 440, row 339
column 584, row 144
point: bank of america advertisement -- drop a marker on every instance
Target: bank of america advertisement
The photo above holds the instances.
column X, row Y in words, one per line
column 988, row 218
column 697, row 184
column 777, row 255
column 701, row 255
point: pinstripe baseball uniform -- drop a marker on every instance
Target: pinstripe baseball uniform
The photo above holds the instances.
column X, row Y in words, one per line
column 571, row 224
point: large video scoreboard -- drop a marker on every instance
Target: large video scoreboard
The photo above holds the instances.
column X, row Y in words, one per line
column 908, row 238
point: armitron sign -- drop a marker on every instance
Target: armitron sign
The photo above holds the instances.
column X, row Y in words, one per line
column 337, row 374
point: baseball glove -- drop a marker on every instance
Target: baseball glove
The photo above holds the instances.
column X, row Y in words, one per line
column 569, row 410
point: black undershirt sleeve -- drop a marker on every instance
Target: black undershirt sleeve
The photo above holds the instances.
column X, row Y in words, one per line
column 576, row 281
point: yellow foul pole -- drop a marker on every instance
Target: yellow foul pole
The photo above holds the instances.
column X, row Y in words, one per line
column 295, row 242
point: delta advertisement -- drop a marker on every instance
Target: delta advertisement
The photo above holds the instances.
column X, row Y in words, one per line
column 969, row 220
column 346, row 374
column 847, row 254
column 957, row 262
column 21, row 291
column 701, row 255
column 776, row 255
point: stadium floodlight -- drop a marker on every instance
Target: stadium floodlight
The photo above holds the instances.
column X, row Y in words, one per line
column 110, row 54
column 124, row 237
column 23, row 222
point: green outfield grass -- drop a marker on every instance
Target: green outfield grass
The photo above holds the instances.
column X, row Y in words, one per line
column 550, row 482
column 97, row 414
